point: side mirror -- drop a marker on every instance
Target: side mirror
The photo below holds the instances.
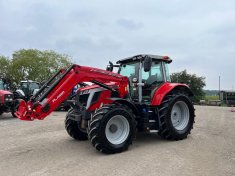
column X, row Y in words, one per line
column 147, row 63
column 110, row 67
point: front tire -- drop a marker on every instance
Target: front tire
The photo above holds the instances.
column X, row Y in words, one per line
column 176, row 115
column 112, row 128
column 73, row 129
column 13, row 114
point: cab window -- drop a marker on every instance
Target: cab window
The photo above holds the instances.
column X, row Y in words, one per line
column 168, row 78
column 130, row 70
column 154, row 75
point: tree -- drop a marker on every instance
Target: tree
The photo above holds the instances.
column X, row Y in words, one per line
column 4, row 64
column 4, row 71
column 33, row 64
column 193, row 81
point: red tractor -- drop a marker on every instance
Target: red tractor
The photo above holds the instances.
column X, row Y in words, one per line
column 7, row 102
column 109, row 112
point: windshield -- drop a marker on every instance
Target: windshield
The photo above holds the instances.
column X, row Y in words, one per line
column 28, row 87
column 23, row 85
column 130, row 70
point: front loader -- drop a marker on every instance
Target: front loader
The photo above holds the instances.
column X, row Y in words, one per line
column 140, row 97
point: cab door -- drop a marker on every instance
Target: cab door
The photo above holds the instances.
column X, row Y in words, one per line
column 152, row 80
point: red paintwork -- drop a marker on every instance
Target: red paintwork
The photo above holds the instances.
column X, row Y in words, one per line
column 94, row 86
column 162, row 91
column 3, row 92
column 30, row 111
column 103, row 99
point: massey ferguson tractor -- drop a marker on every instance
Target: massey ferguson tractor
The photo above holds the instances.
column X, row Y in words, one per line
column 140, row 97
column 7, row 102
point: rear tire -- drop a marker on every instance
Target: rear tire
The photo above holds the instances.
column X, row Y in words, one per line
column 176, row 115
column 13, row 114
column 112, row 128
column 73, row 129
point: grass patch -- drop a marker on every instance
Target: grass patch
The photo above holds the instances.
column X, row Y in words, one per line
column 213, row 97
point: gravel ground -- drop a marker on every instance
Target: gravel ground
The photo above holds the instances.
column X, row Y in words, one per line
column 42, row 148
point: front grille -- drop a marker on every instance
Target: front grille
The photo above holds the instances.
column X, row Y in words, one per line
column 96, row 97
column 83, row 99
column 8, row 98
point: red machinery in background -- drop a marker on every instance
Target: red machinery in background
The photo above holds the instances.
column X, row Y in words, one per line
column 7, row 102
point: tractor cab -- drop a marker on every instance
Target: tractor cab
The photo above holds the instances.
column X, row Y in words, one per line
column 26, row 89
column 146, row 73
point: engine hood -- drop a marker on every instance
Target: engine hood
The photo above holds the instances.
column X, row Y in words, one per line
column 94, row 86
column 4, row 92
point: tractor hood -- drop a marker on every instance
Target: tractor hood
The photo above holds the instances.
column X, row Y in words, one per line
column 4, row 92
column 94, row 86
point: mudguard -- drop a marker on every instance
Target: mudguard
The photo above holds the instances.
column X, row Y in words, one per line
column 167, row 87
column 127, row 103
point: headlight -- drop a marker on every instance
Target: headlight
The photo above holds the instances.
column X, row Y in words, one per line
column 8, row 97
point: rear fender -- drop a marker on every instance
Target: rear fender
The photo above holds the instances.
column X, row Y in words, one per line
column 167, row 87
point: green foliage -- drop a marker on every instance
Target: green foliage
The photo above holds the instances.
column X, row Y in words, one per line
column 193, row 81
column 33, row 64
column 212, row 97
column 4, row 65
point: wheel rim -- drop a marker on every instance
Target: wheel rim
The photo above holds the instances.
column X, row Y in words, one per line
column 117, row 129
column 180, row 115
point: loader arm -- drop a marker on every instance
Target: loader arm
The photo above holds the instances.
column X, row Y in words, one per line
column 58, row 88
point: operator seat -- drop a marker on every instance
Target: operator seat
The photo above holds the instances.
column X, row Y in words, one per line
column 151, row 79
column 151, row 88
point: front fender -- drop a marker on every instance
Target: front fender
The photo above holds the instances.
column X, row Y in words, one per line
column 127, row 103
column 167, row 87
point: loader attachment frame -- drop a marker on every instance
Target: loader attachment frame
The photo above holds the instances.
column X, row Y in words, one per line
column 58, row 88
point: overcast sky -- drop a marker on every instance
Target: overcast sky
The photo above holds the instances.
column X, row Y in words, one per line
column 199, row 35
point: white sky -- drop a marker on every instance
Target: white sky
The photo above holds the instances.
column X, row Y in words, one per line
column 198, row 35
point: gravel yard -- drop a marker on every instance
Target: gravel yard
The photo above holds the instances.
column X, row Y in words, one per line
column 41, row 148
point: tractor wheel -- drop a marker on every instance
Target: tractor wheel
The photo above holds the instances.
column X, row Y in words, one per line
column 13, row 114
column 112, row 128
column 73, row 129
column 176, row 115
